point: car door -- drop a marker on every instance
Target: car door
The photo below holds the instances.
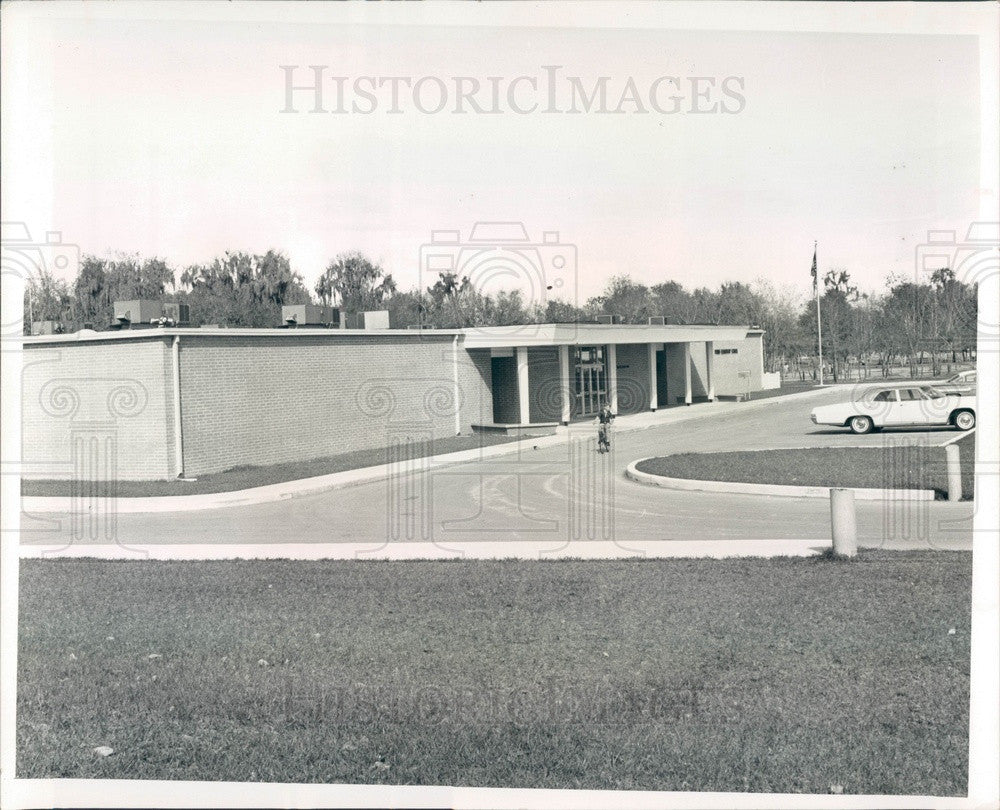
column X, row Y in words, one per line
column 910, row 409
column 883, row 407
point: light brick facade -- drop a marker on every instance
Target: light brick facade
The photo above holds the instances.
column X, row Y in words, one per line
column 256, row 401
column 82, row 399
column 102, row 405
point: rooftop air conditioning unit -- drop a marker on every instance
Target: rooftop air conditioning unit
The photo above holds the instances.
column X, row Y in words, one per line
column 139, row 312
column 609, row 319
column 308, row 315
column 657, row 320
column 178, row 313
column 46, row 328
column 372, row 319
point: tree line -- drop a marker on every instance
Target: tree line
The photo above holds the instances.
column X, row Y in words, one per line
column 911, row 323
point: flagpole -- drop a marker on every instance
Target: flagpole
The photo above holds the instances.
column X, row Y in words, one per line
column 819, row 321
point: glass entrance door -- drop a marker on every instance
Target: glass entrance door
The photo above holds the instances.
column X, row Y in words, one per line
column 591, row 380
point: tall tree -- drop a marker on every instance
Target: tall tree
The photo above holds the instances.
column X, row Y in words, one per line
column 242, row 289
column 46, row 298
column 357, row 283
column 784, row 340
column 955, row 313
column 628, row 299
column 906, row 314
column 673, row 302
column 558, row 311
column 124, row 277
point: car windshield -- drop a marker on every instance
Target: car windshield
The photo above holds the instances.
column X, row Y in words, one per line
column 933, row 393
column 962, row 377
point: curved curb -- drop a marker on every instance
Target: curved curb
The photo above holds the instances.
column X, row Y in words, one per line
column 781, row 490
column 271, row 493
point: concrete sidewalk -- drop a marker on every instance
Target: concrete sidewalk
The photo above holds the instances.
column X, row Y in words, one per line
column 347, row 478
column 517, row 550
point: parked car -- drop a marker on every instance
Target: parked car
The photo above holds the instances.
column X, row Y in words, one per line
column 877, row 408
column 962, row 383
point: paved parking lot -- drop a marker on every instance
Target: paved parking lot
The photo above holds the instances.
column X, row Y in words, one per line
column 568, row 493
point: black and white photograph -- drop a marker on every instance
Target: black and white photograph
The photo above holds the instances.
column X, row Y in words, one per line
column 508, row 404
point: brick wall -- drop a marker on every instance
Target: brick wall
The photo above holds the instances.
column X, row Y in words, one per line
column 257, row 400
column 504, row 398
column 675, row 373
column 699, row 372
column 633, row 377
column 98, row 410
column 475, row 371
column 544, row 387
column 738, row 356
column 266, row 399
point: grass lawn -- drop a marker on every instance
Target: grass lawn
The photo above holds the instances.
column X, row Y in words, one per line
column 899, row 467
column 787, row 387
column 247, row 477
column 786, row 675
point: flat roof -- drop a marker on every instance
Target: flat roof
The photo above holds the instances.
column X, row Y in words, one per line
column 483, row 337
column 584, row 334
column 90, row 335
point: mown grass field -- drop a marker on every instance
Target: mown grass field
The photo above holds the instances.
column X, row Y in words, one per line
column 876, row 467
column 786, row 675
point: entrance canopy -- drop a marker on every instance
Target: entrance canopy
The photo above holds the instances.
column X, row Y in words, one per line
column 542, row 373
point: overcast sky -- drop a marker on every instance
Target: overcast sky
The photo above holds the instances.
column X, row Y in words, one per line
column 167, row 139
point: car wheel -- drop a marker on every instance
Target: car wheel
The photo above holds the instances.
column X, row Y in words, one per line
column 861, row 424
column 965, row 420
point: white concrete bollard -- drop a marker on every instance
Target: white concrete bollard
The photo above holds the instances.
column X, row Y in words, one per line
column 844, row 522
column 954, row 473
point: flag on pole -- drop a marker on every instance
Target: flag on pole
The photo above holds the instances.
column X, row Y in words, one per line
column 814, row 273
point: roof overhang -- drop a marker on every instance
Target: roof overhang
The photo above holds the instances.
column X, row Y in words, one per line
column 587, row 334
column 88, row 335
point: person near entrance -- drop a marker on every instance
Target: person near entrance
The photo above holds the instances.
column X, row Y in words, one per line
column 604, row 419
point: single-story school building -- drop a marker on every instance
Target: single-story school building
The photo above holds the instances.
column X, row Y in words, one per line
column 157, row 403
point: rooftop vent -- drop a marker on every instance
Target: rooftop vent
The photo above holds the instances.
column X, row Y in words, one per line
column 609, row 319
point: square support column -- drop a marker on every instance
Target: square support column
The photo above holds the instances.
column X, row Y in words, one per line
column 710, row 369
column 523, row 394
column 565, row 385
column 687, row 373
column 613, row 377
column 653, row 404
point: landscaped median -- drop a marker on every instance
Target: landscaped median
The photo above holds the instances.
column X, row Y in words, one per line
column 897, row 470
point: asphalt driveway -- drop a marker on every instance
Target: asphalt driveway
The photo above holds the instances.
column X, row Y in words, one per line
column 564, row 494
